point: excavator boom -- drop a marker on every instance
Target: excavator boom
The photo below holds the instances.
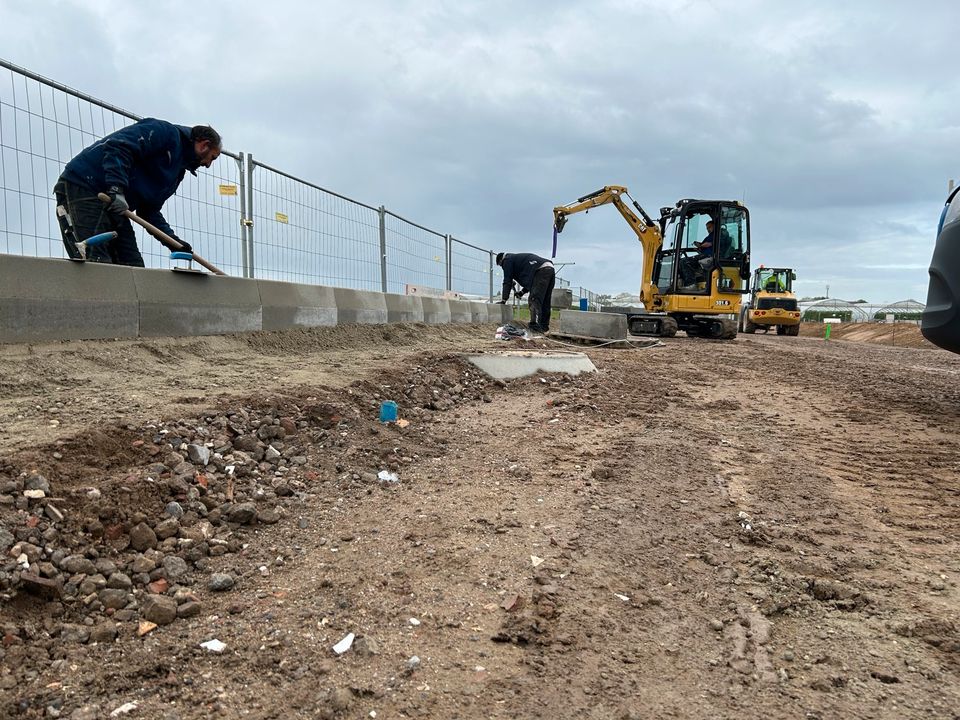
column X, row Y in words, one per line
column 647, row 231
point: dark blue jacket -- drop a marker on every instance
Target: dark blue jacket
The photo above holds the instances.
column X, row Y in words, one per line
column 147, row 160
column 520, row 267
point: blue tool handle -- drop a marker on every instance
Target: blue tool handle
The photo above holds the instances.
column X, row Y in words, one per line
column 178, row 255
column 101, row 238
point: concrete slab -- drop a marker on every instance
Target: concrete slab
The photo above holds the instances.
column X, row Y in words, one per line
column 404, row 308
column 460, row 312
column 45, row 299
column 520, row 363
column 604, row 326
column 360, row 306
column 293, row 305
column 175, row 304
column 436, row 311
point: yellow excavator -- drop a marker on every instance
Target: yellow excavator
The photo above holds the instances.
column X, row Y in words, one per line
column 772, row 303
column 696, row 261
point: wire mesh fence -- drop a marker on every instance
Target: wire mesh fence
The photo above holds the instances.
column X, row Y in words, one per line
column 244, row 216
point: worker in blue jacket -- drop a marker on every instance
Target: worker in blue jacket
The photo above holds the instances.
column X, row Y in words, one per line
column 535, row 275
column 139, row 167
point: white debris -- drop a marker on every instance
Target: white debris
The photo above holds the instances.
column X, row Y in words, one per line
column 534, row 560
column 341, row 647
column 124, row 709
column 214, row 646
column 625, row 598
column 386, row 476
column 414, row 622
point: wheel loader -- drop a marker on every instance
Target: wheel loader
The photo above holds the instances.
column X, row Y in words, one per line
column 772, row 303
column 696, row 261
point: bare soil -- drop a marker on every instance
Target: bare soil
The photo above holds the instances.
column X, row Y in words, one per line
column 768, row 527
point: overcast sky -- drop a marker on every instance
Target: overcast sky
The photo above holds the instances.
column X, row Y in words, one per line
column 837, row 123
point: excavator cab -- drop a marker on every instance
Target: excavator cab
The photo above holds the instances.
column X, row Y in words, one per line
column 704, row 243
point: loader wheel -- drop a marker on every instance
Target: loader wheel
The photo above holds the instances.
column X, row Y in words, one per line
column 749, row 327
column 668, row 327
column 781, row 329
column 793, row 330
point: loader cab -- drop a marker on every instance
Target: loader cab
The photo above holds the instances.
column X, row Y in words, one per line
column 773, row 280
column 699, row 237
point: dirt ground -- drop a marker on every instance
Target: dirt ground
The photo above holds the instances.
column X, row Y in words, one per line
column 763, row 528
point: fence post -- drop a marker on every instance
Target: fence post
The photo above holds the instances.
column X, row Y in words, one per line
column 242, row 165
column 383, row 248
column 448, row 247
column 249, row 221
column 492, row 266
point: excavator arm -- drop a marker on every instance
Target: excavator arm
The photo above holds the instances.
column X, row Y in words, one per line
column 647, row 231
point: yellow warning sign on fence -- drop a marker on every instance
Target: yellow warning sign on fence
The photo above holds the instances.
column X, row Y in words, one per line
column 228, row 189
column 281, row 217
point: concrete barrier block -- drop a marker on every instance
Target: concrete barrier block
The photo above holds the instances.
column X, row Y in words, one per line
column 500, row 314
column 173, row 303
column 436, row 311
column 404, row 308
column 608, row 326
column 479, row 312
column 460, row 312
column 360, row 306
column 561, row 298
column 292, row 305
column 45, row 299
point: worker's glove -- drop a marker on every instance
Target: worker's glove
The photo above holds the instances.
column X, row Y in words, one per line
column 519, row 293
column 187, row 247
column 118, row 203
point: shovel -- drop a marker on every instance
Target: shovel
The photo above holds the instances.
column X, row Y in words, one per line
column 165, row 239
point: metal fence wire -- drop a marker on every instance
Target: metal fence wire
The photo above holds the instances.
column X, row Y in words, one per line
column 246, row 217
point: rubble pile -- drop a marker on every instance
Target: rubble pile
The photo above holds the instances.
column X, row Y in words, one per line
column 141, row 545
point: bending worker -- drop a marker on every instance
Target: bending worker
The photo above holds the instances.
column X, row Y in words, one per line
column 139, row 167
column 536, row 276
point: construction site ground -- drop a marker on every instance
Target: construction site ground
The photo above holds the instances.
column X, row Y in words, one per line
column 762, row 528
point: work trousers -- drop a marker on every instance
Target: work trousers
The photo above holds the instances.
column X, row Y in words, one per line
column 541, row 290
column 87, row 216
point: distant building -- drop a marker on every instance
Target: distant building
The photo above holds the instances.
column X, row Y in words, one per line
column 903, row 311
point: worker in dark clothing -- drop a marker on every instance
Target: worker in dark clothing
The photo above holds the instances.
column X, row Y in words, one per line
column 534, row 275
column 139, row 167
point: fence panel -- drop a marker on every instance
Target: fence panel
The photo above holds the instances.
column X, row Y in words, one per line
column 469, row 269
column 415, row 255
column 304, row 233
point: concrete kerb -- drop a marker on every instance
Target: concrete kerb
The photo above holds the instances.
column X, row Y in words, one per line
column 436, row 311
column 404, row 308
column 43, row 299
column 292, row 305
column 360, row 306
column 173, row 304
column 605, row 326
